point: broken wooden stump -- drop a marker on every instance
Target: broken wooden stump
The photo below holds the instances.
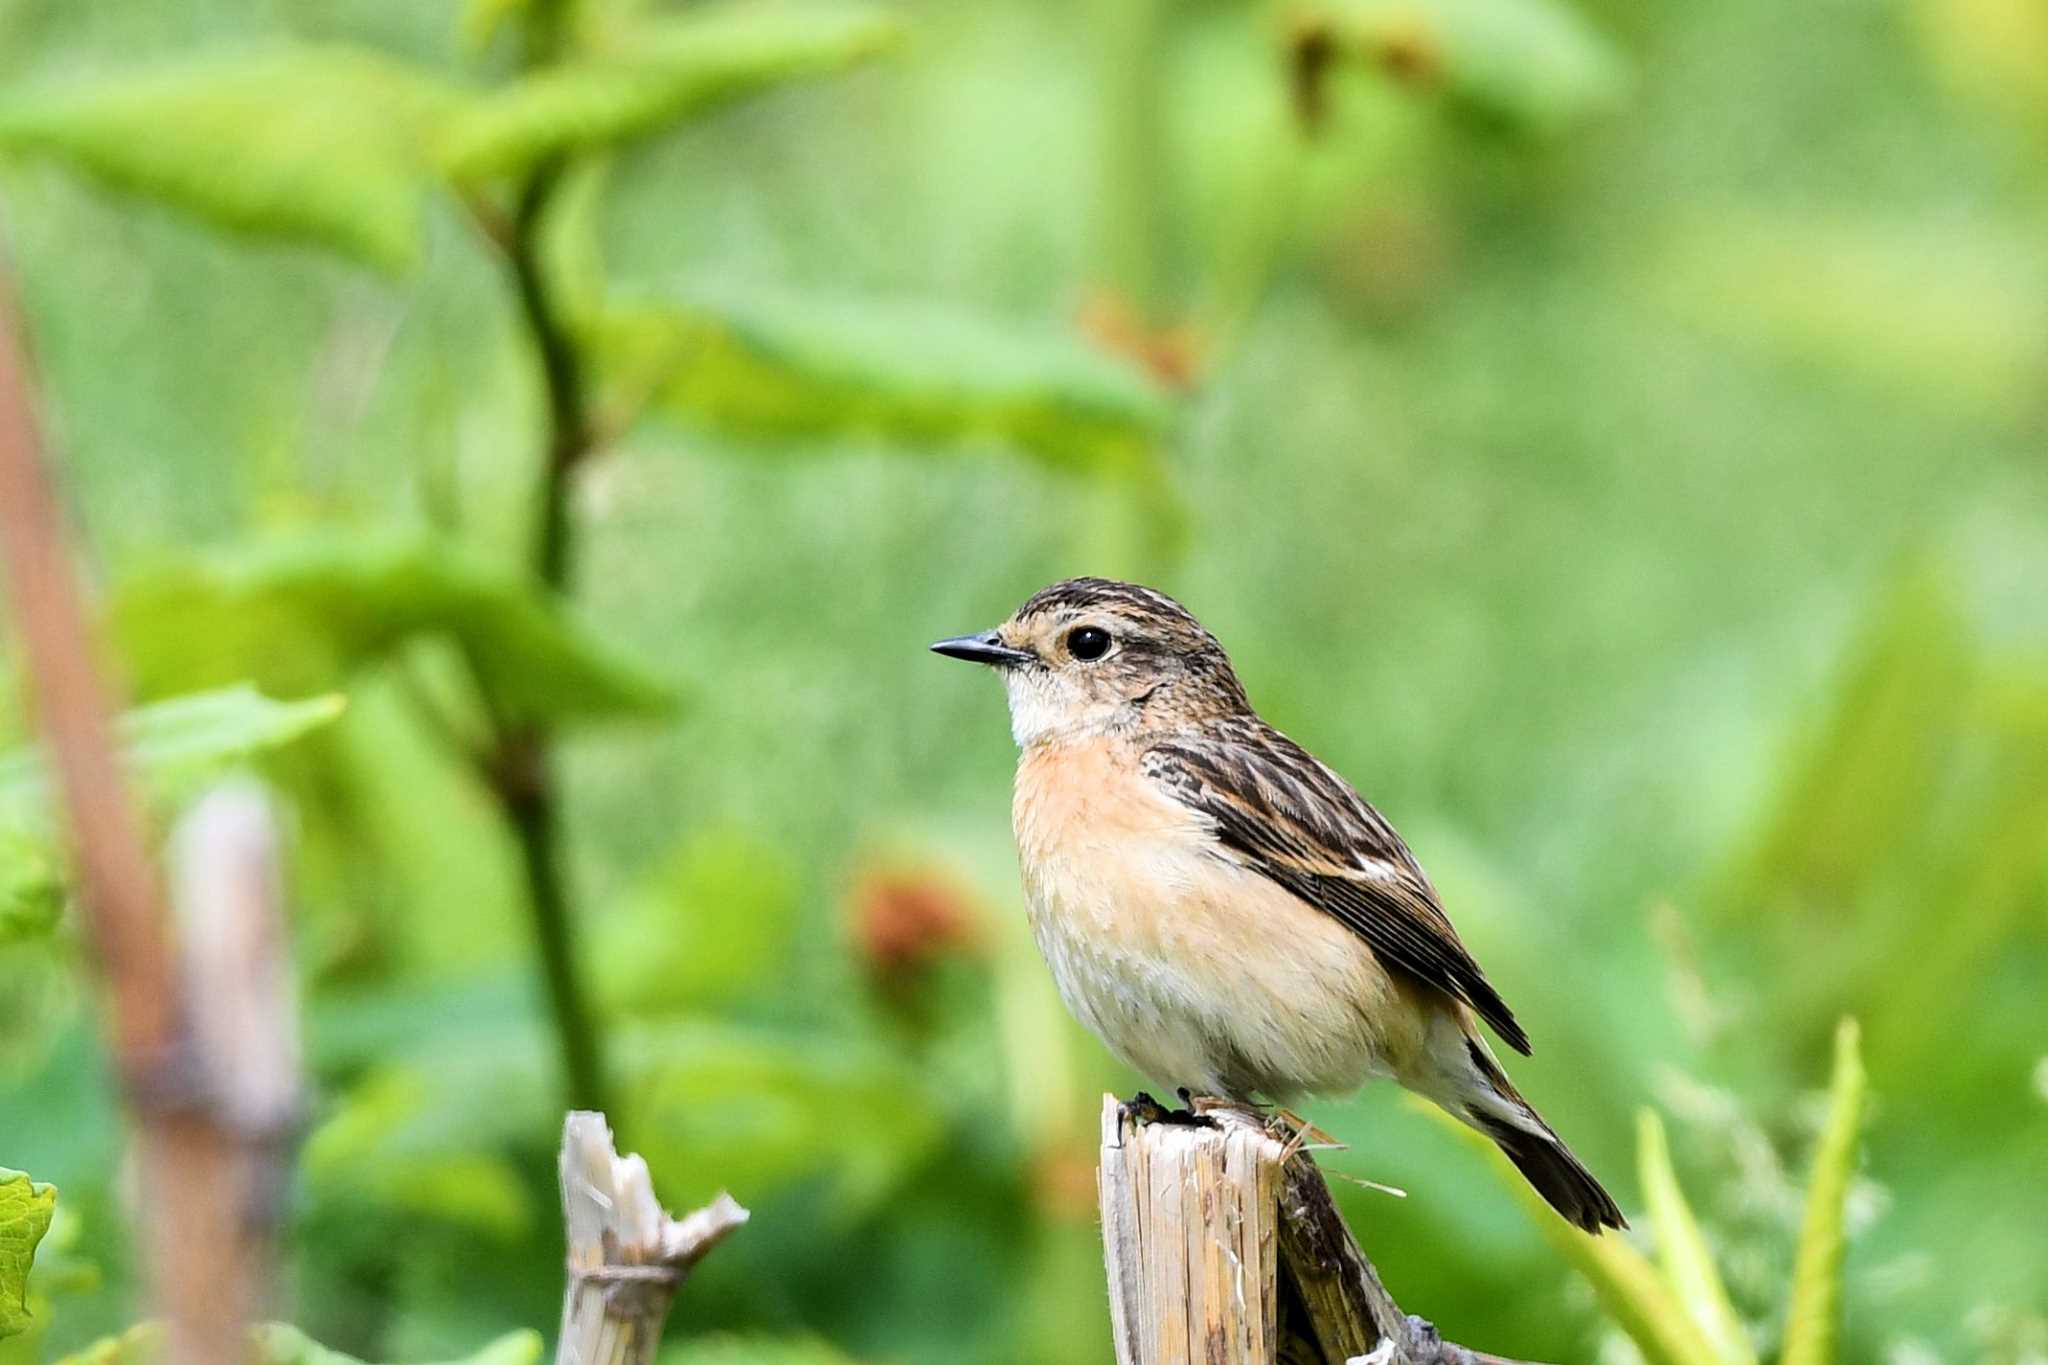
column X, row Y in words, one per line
column 1223, row 1247
column 627, row 1257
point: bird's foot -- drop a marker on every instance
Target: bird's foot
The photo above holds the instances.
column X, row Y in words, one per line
column 1144, row 1109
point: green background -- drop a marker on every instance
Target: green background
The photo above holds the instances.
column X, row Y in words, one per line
column 1627, row 469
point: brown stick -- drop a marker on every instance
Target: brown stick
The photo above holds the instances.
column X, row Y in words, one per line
column 1224, row 1248
column 627, row 1257
column 201, row 1268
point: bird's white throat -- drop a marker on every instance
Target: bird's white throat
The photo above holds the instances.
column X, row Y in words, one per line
column 1044, row 705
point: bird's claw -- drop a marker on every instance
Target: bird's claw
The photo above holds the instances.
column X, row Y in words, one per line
column 1144, row 1109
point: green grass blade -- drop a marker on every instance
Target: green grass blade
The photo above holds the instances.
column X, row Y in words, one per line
column 1813, row 1322
column 1682, row 1251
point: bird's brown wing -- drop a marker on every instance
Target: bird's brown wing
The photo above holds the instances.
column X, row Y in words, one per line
column 1283, row 813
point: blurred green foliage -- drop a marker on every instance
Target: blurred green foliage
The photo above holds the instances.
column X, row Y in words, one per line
column 1678, row 1310
column 277, row 1344
column 302, row 612
column 1610, row 434
column 173, row 747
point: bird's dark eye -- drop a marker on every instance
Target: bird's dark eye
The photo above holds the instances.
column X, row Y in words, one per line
column 1088, row 643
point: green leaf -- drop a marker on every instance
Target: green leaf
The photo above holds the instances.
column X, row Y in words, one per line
column 655, row 74
column 174, row 744
column 1532, row 66
column 803, row 369
column 1682, row 1250
column 1628, row 1287
column 278, row 1344
column 323, row 145
column 302, row 611
column 25, row 1211
column 1813, row 1321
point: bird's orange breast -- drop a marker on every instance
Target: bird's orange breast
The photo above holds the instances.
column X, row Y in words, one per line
column 1162, row 944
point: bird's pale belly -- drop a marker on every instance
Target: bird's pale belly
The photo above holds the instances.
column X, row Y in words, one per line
column 1195, row 971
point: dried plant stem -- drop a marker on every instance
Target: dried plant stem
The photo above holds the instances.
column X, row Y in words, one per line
column 627, row 1257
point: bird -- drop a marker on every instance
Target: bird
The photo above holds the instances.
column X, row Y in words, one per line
column 1220, row 908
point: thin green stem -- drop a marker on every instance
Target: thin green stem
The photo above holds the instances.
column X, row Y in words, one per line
column 562, row 377
column 527, row 794
column 521, row 768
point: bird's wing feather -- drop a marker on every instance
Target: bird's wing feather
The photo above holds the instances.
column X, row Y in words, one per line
column 1284, row 814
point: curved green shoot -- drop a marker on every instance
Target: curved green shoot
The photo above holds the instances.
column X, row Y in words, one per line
column 1682, row 1250
column 1813, row 1322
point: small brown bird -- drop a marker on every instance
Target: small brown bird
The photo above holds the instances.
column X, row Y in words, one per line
column 1220, row 908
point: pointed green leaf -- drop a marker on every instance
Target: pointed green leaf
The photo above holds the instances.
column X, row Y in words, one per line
column 321, row 145
column 1814, row 1320
column 793, row 370
column 299, row 612
column 655, row 74
column 1629, row 1288
column 25, row 1210
column 1682, row 1250
column 1534, row 66
column 174, row 743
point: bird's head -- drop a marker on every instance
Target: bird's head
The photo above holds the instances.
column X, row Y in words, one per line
column 1094, row 656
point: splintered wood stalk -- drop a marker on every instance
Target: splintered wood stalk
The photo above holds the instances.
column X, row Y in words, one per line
column 1224, row 1248
column 627, row 1257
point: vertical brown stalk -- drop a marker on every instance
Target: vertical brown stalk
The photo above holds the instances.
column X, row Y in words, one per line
column 201, row 1281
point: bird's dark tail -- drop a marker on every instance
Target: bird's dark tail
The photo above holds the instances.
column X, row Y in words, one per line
column 1537, row 1151
column 1561, row 1178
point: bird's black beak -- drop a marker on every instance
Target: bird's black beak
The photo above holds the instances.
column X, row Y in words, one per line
column 985, row 648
